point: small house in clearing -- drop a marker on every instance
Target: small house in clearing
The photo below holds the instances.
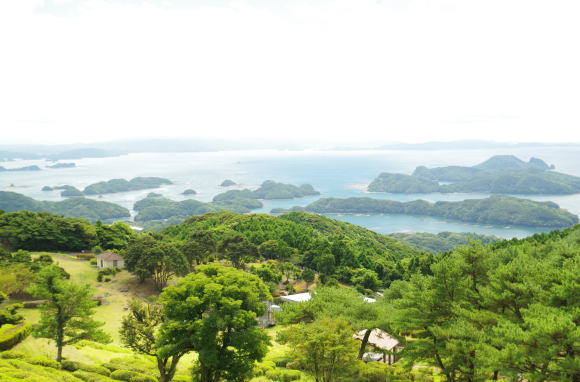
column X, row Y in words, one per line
column 109, row 259
column 383, row 342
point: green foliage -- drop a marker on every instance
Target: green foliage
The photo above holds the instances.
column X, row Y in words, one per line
column 122, row 185
column 76, row 207
column 443, row 241
column 325, row 348
column 11, row 335
column 15, row 278
column 41, row 231
column 237, row 249
column 66, row 314
column 22, row 370
column 71, row 191
column 139, row 332
column 198, row 246
column 109, row 271
column 492, row 210
column 43, row 361
column 284, row 375
column 213, row 312
column 510, row 309
column 91, row 377
column 74, row 366
column 309, row 236
column 400, row 183
column 150, row 258
column 131, row 376
column 114, row 236
column 131, row 363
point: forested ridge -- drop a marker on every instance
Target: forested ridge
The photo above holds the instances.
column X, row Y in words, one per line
column 496, row 209
column 73, row 207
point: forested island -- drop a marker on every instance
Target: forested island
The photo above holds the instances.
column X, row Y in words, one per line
column 269, row 190
column 111, row 186
column 156, row 209
column 25, row 168
column 443, row 241
column 123, row 185
column 497, row 209
column 227, row 183
column 79, row 207
column 502, row 174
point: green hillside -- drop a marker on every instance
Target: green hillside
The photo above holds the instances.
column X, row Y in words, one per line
column 77, row 207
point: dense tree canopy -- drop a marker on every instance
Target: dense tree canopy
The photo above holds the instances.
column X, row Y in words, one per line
column 506, row 309
column 213, row 312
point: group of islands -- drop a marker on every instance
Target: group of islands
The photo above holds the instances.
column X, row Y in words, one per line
column 498, row 176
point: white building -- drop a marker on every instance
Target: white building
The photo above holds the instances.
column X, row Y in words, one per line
column 109, row 259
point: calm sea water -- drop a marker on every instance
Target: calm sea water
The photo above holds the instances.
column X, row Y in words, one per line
column 333, row 173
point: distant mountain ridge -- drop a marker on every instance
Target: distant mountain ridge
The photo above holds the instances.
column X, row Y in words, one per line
column 500, row 174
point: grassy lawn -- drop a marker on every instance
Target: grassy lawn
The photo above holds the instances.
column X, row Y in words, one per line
column 115, row 301
column 111, row 313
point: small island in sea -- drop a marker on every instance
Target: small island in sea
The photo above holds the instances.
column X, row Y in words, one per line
column 123, row 185
column 496, row 209
column 62, row 165
column 189, row 191
column 269, row 190
column 228, row 183
column 500, row 174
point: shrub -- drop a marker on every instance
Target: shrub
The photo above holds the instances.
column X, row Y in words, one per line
column 262, row 368
column 97, row 250
column 123, row 375
column 93, row 261
column 281, row 360
column 85, row 256
column 143, row 378
column 91, row 377
column 43, row 361
column 13, row 354
column 74, row 366
column 11, row 336
column 131, row 364
column 284, row 375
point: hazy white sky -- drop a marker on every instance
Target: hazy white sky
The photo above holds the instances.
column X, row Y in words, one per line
column 391, row 70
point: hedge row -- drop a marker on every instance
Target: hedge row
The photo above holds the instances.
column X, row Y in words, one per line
column 11, row 336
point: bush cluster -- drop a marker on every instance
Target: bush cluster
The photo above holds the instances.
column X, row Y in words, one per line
column 11, row 335
column 110, row 271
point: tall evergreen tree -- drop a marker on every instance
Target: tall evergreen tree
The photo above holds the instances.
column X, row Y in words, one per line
column 66, row 316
